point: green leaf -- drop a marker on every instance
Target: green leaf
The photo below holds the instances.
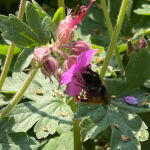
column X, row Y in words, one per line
column 24, row 29
column 4, row 50
column 41, row 12
column 98, row 47
column 47, row 115
column 115, row 86
column 95, row 120
column 145, row 10
column 58, row 16
column 13, row 84
column 137, row 72
column 139, row 108
column 35, row 22
column 4, row 99
column 64, row 142
column 128, row 125
column 46, row 25
column 48, row 90
column 14, row 141
column 24, row 60
column 138, row 68
column 16, row 31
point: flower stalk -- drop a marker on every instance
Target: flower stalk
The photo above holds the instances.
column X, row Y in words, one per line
column 11, row 48
column 19, row 94
column 110, row 30
column 61, row 3
column 76, row 128
column 114, row 37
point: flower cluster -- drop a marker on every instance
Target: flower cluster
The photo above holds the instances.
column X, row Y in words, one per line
column 75, row 60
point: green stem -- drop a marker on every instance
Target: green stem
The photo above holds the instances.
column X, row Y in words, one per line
column 11, row 48
column 61, row 3
column 19, row 94
column 110, row 29
column 114, row 37
column 76, row 128
column 77, row 136
column 107, row 18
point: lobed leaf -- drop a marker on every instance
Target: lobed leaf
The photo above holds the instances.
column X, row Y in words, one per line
column 139, row 108
column 47, row 115
column 94, row 120
column 11, row 141
column 138, row 68
column 125, row 134
column 64, row 142
column 48, row 90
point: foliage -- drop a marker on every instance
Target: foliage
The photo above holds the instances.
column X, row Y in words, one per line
column 43, row 118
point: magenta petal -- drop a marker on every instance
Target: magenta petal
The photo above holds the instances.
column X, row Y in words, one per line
column 67, row 76
column 84, row 59
column 73, row 88
column 131, row 100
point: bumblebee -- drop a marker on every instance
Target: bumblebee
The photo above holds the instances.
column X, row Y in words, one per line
column 95, row 88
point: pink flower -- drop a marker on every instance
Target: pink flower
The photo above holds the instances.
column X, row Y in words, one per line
column 73, row 77
column 67, row 26
column 78, row 47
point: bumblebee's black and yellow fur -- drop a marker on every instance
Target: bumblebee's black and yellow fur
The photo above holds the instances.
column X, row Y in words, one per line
column 95, row 87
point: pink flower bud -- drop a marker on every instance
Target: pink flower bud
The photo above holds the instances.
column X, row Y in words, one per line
column 50, row 67
column 79, row 46
column 65, row 31
column 141, row 43
column 70, row 61
column 41, row 54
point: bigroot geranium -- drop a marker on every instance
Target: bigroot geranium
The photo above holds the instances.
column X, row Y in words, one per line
column 73, row 77
column 77, row 57
column 67, row 26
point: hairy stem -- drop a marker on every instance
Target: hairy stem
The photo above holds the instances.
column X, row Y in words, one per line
column 76, row 128
column 110, row 29
column 11, row 48
column 19, row 94
column 61, row 3
column 114, row 37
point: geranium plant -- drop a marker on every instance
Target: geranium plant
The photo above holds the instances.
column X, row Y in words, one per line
column 80, row 80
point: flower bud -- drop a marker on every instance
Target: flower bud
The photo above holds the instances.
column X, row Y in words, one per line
column 141, row 43
column 65, row 30
column 70, row 61
column 41, row 54
column 50, row 67
column 79, row 46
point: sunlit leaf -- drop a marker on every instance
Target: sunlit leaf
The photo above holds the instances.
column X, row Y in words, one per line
column 46, row 114
column 64, row 142
column 4, row 50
